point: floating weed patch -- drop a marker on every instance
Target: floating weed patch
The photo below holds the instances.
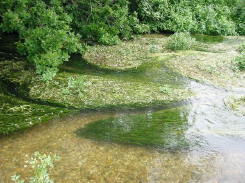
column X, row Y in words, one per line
column 126, row 55
column 210, row 67
column 163, row 129
column 104, row 92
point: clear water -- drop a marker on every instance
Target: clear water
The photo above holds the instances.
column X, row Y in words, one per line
column 198, row 141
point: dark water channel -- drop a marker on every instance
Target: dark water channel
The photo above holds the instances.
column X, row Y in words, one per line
column 201, row 140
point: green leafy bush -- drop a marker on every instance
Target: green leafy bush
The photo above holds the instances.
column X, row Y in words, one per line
column 180, row 41
column 206, row 17
column 44, row 28
column 40, row 164
column 104, row 21
column 239, row 16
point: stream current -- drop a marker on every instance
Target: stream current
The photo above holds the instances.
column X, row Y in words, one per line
column 200, row 140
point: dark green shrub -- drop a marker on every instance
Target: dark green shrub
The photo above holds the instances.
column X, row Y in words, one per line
column 104, row 21
column 239, row 16
column 180, row 41
column 207, row 17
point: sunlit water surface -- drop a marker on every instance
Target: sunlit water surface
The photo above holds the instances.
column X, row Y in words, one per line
column 198, row 141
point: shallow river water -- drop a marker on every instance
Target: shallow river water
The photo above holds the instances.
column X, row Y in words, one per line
column 199, row 140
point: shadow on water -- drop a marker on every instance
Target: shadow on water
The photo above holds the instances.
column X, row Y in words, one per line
column 8, row 49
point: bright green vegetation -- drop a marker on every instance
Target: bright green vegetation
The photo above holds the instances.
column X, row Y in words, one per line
column 40, row 164
column 163, row 129
column 17, row 114
column 128, row 75
column 180, row 41
column 223, row 17
column 237, row 104
column 17, row 110
column 46, row 37
column 240, row 60
column 51, row 30
column 139, row 80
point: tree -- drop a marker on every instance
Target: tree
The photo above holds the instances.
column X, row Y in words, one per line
column 45, row 33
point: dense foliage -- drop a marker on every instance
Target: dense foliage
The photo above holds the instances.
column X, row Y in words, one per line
column 45, row 33
column 205, row 16
column 50, row 30
column 105, row 21
column 180, row 41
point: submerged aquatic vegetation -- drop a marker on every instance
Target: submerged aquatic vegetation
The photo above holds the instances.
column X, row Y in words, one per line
column 17, row 114
column 105, row 92
column 128, row 75
column 163, row 129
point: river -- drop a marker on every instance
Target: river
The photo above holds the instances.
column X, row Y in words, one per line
column 198, row 140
